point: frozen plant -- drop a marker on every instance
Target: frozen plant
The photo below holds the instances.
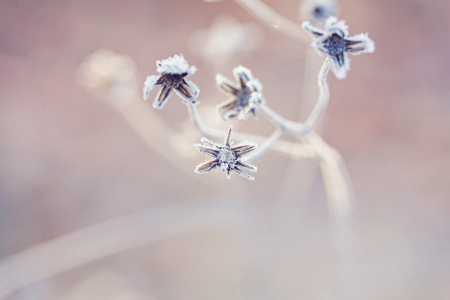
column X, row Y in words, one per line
column 173, row 71
column 246, row 98
column 246, row 95
column 335, row 42
column 228, row 157
column 108, row 75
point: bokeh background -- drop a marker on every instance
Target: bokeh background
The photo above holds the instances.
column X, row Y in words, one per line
column 69, row 160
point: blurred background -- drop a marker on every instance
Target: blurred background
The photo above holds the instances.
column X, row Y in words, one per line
column 70, row 161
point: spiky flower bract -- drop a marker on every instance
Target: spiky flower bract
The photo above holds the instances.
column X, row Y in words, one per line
column 246, row 94
column 333, row 40
column 173, row 71
column 227, row 157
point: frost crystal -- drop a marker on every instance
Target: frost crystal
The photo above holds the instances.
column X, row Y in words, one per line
column 149, row 84
column 246, row 96
column 227, row 157
column 174, row 65
column 173, row 71
column 334, row 41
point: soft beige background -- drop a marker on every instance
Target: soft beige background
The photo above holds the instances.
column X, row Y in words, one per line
column 67, row 160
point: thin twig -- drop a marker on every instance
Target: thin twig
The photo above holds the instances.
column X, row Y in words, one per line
column 294, row 150
column 267, row 145
column 324, row 97
column 317, row 112
column 275, row 21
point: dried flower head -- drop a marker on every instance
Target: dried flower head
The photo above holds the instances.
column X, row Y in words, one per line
column 173, row 71
column 246, row 95
column 228, row 157
column 334, row 41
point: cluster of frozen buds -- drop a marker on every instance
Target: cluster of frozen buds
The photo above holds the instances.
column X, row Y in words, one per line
column 246, row 94
column 334, row 41
column 173, row 71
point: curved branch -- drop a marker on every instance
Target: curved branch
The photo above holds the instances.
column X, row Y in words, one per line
column 294, row 150
column 317, row 112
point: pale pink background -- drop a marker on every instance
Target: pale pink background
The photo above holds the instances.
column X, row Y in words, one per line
column 68, row 161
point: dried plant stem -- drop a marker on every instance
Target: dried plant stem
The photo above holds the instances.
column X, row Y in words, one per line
column 143, row 120
column 324, row 97
column 116, row 236
column 277, row 22
column 336, row 182
column 267, row 145
column 317, row 112
column 312, row 64
column 288, row 148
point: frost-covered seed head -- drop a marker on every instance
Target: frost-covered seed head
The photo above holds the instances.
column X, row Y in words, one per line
column 333, row 40
column 246, row 94
column 173, row 72
column 227, row 157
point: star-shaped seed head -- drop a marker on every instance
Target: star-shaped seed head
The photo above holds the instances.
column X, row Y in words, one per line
column 246, row 94
column 227, row 157
column 173, row 71
column 335, row 42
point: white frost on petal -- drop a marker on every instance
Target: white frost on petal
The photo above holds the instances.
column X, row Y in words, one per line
column 208, row 143
column 255, row 85
column 369, row 45
column 221, row 81
column 149, row 84
column 332, row 25
column 195, row 91
column 174, row 65
column 242, row 72
column 314, row 31
column 255, row 101
column 340, row 71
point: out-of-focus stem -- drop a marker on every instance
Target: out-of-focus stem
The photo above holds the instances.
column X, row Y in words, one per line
column 112, row 237
column 275, row 21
